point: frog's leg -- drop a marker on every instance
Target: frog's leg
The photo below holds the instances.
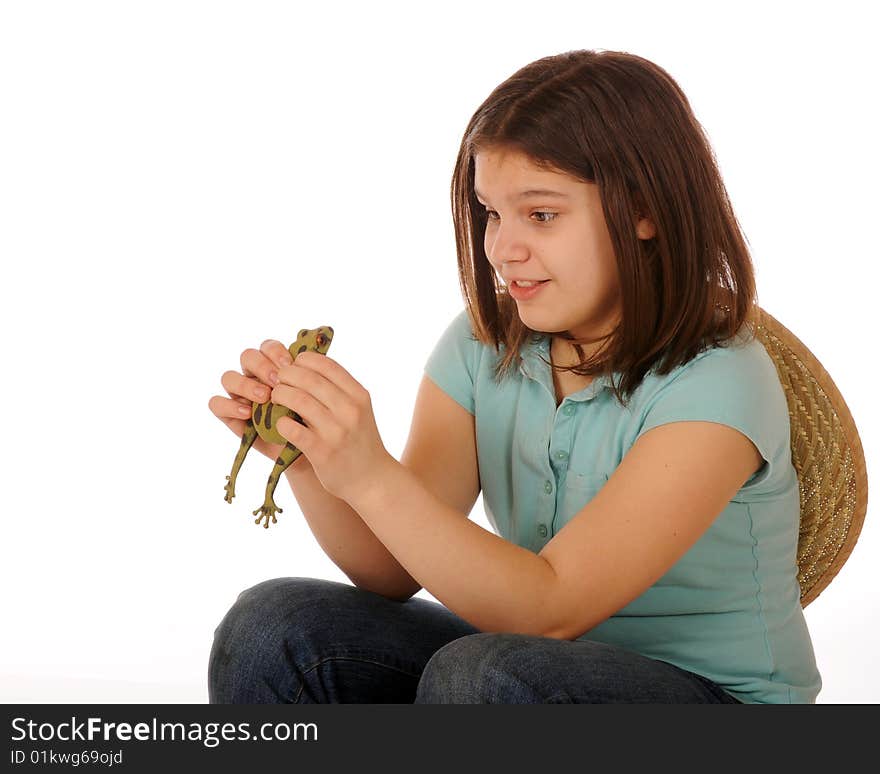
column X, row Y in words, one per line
column 247, row 440
column 268, row 509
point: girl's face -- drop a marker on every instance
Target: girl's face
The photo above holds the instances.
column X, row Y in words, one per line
column 544, row 225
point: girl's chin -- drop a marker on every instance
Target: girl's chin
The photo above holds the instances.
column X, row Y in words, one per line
column 542, row 321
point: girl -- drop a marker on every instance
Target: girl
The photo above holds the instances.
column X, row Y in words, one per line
column 603, row 388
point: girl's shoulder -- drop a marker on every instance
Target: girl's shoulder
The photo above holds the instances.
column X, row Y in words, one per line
column 736, row 385
column 740, row 361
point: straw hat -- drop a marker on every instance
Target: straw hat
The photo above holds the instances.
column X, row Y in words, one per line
column 827, row 455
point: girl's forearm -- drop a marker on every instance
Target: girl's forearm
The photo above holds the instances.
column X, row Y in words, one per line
column 346, row 539
column 490, row 582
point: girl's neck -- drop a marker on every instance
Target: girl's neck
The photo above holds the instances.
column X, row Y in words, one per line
column 565, row 382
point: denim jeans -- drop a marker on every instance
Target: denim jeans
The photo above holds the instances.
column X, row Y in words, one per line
column 305, row 640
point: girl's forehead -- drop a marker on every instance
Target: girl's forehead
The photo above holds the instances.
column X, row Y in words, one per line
column 512, row 165
column 508, row 158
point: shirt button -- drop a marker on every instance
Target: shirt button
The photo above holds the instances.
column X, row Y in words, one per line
column 542, row 530
column 561, row 455
column 568, row 410
column 548, row 487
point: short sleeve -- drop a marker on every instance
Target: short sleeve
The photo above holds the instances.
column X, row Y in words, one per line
column 736, row 386
column 452, row 363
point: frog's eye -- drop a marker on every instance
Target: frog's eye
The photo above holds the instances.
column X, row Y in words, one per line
column 302, row 333
column 320, row 339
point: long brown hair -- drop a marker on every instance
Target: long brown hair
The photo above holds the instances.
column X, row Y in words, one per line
column 622, row 122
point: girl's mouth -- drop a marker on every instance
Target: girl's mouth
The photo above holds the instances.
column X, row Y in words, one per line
column 525, row 292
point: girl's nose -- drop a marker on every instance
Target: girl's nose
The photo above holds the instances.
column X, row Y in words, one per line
column 505, row 244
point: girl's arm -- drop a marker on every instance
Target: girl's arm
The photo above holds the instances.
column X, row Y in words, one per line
column 344, row 537
column 665, row 493
column 488, row 581
column 441, row 452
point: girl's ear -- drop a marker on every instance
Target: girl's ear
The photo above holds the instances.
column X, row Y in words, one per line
column 645, row 227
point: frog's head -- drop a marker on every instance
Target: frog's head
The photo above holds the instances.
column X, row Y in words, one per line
column 314, row 340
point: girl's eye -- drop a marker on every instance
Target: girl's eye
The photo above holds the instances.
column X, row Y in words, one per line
column 550, row 215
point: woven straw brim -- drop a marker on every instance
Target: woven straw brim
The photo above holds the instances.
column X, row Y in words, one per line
column 827, row 455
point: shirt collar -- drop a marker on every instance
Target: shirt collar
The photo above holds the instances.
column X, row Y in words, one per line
column 536, row 350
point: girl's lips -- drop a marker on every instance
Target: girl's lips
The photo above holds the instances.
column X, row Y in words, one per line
column 524, row 294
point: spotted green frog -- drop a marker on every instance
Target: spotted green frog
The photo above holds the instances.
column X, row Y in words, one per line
column 263, row 421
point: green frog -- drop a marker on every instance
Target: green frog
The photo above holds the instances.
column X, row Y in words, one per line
column 263, row 421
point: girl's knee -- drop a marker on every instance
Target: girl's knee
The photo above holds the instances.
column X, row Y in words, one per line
column 253, row 629
column 257, row 602
column 272, row 592
column 474, row 669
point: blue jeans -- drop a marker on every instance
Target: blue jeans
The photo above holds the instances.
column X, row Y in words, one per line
column 304, row 640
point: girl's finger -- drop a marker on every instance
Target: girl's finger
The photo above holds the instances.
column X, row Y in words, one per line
column 328, row 394
column 239, row 385
column 333, row 373
column 314, row 413
column 256, row 364
column 276, row 352
column 227, row 409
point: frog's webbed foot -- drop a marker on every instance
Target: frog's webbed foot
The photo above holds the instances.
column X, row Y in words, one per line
column 266, row 511
column 230, row 489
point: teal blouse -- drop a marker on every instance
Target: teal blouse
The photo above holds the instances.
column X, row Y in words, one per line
column 729, row 609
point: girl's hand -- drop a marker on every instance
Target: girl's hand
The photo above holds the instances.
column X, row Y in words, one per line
column 253, row 383
column 341, row 440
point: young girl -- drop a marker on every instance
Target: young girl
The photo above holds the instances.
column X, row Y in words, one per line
column 603, row 388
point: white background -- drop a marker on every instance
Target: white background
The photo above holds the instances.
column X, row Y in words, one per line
column 181, row 180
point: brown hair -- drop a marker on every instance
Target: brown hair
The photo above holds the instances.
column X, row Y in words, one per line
column 622, row 122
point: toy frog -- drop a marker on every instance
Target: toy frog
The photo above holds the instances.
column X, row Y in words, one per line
column 264, row 418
